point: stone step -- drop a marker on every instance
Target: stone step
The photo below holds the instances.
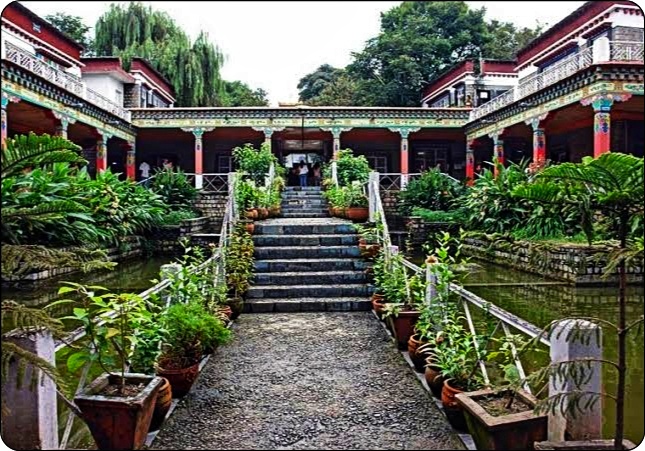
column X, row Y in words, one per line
column 308, row 291
column 340, row 304
column 297, row 202
column 305, row 240
column 289, row 189
column 319, row 227
column 295, row 214
column 311, row 264
column 304, row 209
column 280, row 252
column 302, row 278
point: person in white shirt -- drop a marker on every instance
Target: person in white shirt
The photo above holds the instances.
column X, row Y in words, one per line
column 304, row 170
column 144, row 167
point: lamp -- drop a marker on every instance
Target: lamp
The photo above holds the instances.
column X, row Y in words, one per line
column 527, row 104
column 75, row 104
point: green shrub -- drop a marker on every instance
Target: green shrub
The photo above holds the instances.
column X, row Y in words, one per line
column 457, row 216
column 433, row 190
column 351, row 169
column 177, row 216
column 256, row 163
column 174, row 188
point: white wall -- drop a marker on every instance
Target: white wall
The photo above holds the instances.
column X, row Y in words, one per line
column 626, row 20
column 105, row 85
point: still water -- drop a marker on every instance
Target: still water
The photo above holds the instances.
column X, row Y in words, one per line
column 541, row 301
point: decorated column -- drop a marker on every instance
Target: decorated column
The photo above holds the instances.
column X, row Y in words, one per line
column 4, row 124
column 198, row 133
column 602, row 104
column 65, row 120
column 268, row 133
column 335, row 133
column 498, row 150
column 405, row 160
column 101, row 152
column 539, row 141
column 470, row 162
column 130, row 161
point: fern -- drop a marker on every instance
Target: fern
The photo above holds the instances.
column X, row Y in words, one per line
column 36, row 150
column 20, row 259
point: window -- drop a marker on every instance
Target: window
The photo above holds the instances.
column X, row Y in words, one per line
column 224, row 164
column 379, row 164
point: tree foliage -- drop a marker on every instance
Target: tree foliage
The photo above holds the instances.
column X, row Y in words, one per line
column 193, row 68
column 73, row 27
column 417, row 41
column 237, row 93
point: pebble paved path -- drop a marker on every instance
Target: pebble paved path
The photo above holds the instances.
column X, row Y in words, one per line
column 307, row 381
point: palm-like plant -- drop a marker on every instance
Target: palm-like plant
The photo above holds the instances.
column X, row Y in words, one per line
column 613, row 183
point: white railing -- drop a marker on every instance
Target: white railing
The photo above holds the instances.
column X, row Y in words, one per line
column 618, row 51
column 377, row 214
column 69, row 82
column 212, row 181
column 392, row 181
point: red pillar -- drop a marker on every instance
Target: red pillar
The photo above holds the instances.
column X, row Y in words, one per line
column 101, row 153
column 3, row 118
column 470, row 163
column 601, row 133
column 539, row 141
column 498, row 151
column 602, row 104
column 130, row 161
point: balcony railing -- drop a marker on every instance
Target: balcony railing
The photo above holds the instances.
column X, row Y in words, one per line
column 69, row 82
column 618, row 51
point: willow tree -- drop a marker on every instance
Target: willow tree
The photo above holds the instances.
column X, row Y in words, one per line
column 193, row 68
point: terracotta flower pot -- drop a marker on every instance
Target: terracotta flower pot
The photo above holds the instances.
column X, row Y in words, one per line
column 164, row 399
column 512, row 431
column 378, row 304
column 249, row 227
column 337, row 211
column 181, row 380
column 263, row 213
column 237, row 306
column 225, row 309
column 403, row 326
column 434, row 379
column 452, row 409
column 358, row 214
column 251, row 213
column 118, row 422
column 274, row 211
column 413, row 344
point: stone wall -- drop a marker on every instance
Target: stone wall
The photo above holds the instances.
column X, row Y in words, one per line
column 166, row 238
column 418, row 231
column 211, row 204
column 632, row 34
column 390, row 200
column 577, row 264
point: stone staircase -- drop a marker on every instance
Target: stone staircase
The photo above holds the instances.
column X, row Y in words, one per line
column 307, row 261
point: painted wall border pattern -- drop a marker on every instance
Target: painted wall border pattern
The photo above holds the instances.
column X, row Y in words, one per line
column 568, row 99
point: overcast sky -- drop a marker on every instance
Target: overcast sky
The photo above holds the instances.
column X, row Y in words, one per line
column 271, row 45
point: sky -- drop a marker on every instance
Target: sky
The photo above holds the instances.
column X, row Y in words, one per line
column 271, row 45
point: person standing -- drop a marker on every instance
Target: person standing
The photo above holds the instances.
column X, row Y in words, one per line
column 144, row 167
column 316, row 172
column 304, row 171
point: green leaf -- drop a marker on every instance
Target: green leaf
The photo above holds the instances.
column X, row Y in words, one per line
column 77, row 360
column 63, row 290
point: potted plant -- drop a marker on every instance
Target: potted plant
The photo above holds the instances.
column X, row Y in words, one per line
column 191, row 333
column 117, row 406
column 404, row 296
column 357, row 203
column 504, row 418
column 458, row 357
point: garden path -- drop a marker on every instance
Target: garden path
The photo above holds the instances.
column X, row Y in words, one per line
column 328, row 380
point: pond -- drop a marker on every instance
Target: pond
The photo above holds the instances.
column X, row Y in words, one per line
column 133, row 275
column 541, row 300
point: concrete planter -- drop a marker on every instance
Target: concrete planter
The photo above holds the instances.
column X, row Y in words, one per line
column 118, row 422
column 582, row 444
column 516, row 431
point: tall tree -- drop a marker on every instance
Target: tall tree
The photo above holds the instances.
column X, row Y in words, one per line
column 417, row 41
column 505, row 39
column 192, row 67
column 237, row 93
column 73, row 27
column 341, row 91
column 311, row 85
